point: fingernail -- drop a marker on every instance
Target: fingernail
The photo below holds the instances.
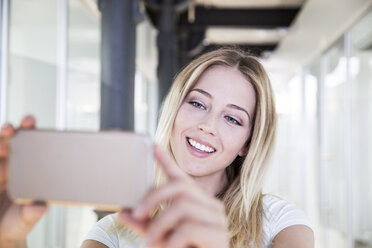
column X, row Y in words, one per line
column 28, row 119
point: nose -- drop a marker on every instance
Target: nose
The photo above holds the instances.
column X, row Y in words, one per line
column 208, row 125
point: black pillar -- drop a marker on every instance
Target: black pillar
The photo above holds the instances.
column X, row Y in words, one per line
column 118, row 38
column 167, row 42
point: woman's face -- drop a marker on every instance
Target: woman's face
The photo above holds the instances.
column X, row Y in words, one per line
column 213, row 122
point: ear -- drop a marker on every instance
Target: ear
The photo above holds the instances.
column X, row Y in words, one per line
column 244, row 151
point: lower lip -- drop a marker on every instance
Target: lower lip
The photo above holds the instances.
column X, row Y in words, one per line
column 197, row 153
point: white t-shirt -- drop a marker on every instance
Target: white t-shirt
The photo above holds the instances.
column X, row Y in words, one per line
column 279, row 215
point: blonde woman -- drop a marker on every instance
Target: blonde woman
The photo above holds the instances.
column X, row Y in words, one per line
column 215, row 136
column 216, row 133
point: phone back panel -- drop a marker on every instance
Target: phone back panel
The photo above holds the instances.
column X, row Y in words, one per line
column 109, row 170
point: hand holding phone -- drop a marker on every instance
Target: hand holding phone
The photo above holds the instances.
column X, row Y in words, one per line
column 16, row 220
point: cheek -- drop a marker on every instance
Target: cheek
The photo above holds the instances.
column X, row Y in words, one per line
column 233, row 139
column 181, row 123
column 187, row 117
column 178, row 123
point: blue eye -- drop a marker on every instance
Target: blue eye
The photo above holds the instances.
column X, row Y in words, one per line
column 232, row 120
column 197, row 105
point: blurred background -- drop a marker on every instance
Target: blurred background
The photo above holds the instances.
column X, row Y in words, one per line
column 91, row 65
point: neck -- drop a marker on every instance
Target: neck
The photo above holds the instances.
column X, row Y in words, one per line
column 212, row 184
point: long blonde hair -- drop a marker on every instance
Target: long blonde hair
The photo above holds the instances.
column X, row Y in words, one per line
column 242, row 196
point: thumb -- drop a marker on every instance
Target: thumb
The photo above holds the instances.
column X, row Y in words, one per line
column 31, row 214
column 19, row 220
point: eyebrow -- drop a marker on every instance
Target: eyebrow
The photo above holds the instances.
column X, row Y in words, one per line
column 228, row 105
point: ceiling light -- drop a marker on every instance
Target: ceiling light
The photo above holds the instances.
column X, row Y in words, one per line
column 224, row 35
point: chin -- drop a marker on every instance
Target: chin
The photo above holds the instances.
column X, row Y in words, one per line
column 194, row 171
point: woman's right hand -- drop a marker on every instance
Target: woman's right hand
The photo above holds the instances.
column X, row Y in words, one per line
column 16, row 221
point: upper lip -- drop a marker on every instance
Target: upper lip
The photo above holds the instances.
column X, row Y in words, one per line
column 202, row 142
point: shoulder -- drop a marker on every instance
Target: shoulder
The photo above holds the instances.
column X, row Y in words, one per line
column 279, row 214
column 101, row 231
column 109, row 232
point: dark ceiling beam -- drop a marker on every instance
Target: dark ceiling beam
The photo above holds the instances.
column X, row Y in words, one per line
column 178, row 5
column 256, row 50
column 260, row 18
column 252, row 47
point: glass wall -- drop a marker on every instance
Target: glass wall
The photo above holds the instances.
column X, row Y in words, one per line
column 294, row 169
column 146, row 79
column 2, row 60
column 323, row 159
column 83, row 66
column 346, row 139
column 334, row 62
column 1, row 31
column 34, row 87
column 32, row 83
column 32, row 61
column 361, row 143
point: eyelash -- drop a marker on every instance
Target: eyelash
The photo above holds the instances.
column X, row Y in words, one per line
column 228, row 118
column 232, row 120
column 197, row 105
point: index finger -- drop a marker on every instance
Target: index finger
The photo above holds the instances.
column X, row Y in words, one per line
column 28, row 122
column 6, row 131
column 169, row 166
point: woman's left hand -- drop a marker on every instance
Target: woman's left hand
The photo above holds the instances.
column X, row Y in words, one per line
column 191, row 217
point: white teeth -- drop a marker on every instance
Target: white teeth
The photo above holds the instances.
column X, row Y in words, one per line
column 200, row 147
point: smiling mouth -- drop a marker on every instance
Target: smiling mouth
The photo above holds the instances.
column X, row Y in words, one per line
column 200, row 147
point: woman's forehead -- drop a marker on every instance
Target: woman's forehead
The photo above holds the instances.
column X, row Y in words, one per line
column 227, row 84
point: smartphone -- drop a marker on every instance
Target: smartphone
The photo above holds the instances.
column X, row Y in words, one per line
column 109, row 170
